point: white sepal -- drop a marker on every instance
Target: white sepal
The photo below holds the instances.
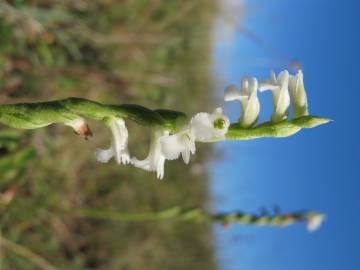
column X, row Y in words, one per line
column 280, row 94
column 250, row 105
column 155, row 160
column 204, row 125
column 298, row 95
column 182, row 143
column 119, row 143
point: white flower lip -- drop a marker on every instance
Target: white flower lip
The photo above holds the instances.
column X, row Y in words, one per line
column 250, row 105
column 155, row 160
column 119, row 144
column 298, row 95
column 202, row 125
column 164, row 146
column 182, row 143
column 280, row 93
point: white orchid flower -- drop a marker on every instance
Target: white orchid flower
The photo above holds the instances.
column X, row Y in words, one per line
column 314, row 221
column 298, row 95
column 205, row 126
column 250, row 105
column 119, row 145
column 164, row 146
column 155, row 160
column 182, row 143
column 280, row 94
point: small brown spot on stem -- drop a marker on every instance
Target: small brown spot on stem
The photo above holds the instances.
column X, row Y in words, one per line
column 84, row 131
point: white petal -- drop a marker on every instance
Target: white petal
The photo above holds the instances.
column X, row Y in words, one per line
column 202, row 125
column 160, row 167
column 119, row 144
column 232, row 93
column 155, row 160
column 251, row 113
column 172, row 146
column 245, row 86
column 271, row 84
column 298, row 95
column 273, row 77
column 253, row 87
column 104, row 155
column 267, row 85
column 283, row 101
column 120, row 140
column 142, row 164
column 283, row 77
column 186, row 156
column 280, row 94
column 251, row 108
column 182, row 143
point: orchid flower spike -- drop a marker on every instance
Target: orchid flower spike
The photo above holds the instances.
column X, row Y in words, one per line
column 250, row 106
column 298, row 95
column 119, row 145
column 280, row 93
column 155, row 160
column 314, row 221
column 205, row 126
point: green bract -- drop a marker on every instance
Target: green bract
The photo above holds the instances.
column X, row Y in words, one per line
column 281, row 129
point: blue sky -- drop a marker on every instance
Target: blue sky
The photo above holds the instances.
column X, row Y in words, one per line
column 315, row 169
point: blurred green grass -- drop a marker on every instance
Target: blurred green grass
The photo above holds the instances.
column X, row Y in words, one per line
column 155, row 53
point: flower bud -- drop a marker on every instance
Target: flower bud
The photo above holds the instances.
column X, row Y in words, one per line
column 298, row 95
column 280, row 94
column 250, row 106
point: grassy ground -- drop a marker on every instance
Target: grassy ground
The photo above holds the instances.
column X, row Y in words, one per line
column 155, row 53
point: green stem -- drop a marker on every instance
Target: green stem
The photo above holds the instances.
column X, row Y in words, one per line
column 41, row 114
column 27, row 253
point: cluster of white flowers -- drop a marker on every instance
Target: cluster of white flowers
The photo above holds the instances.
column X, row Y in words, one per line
column 165, row 146
column 279, row 86
column 206, row 127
